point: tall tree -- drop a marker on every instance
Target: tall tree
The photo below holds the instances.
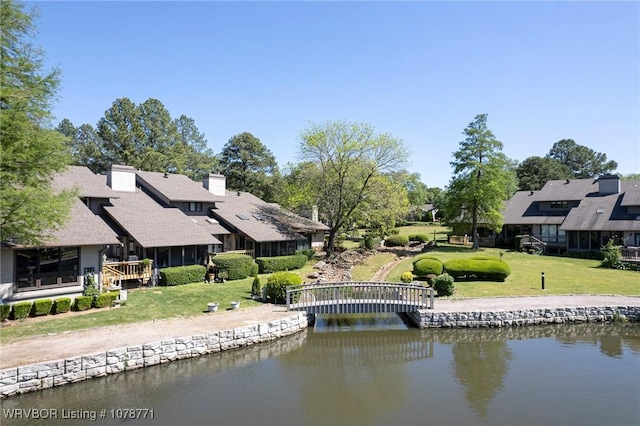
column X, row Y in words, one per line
column 200, row 160
column 582, row 161
column 349, row 157
column 121, row 134
column 32, row 152
column 249, row 166
column 534, row 172
column 482, row 179
column 84, row 144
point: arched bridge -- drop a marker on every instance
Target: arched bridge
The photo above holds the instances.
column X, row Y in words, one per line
column 350, row 297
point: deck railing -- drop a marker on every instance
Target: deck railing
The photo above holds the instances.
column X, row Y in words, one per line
column 358, row 297
column 630, row 254
column 113, row 273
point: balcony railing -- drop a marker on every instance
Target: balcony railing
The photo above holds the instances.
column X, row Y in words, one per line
column 113, row 273
column 630, row 254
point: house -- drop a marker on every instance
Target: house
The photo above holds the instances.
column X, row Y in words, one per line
column 128, row 215
column 58, row 267
column 576, row 215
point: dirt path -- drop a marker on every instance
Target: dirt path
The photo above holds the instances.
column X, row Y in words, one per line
column 384, row 271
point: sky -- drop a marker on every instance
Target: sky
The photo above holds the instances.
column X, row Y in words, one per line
column 420, row 71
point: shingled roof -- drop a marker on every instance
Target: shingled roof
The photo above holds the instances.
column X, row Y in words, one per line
column 152, row 225
column 89, row 185
column 83, row 229
column 176, row 187
column 523, row 209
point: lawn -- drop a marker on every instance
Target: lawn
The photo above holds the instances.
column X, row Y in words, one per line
column 563, row 275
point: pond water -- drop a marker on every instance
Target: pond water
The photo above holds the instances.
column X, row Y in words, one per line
column 369, row 370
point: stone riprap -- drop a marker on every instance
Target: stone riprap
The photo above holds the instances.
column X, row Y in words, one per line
column 29, row 378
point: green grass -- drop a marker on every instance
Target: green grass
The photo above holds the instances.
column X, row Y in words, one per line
column 563, row 275
column 370, row 266
column 437, row 231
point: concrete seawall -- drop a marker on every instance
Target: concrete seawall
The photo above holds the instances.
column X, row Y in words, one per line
column 34, row 377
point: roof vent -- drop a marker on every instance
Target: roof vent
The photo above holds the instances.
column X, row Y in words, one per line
column 600, row 210
column 238, row 193
column 212, row 221
column 567, row 181
column 531, row 193
column 166, row 175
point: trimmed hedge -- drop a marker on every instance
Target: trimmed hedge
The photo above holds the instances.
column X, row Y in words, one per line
column 276, row 287
column 256, row 287
column 61, row 305
column 396, row 241
column 5, row 310
column 267, row 265
column 102, row 301
column 423, row 238
column 310, row 253
column 82, row 303
column 237, row 266
column 427, row 265
column 41, row 307
column 406, row 277
column 21, row 310
column 180, row 275
column 484, row 269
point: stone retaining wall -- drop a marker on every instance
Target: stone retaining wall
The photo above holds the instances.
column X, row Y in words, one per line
column 29, row 378
column 431, row 319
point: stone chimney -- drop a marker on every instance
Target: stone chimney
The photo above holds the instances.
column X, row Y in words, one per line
column 216, row 184
column 314, row 213
column 122, row 178
column 609, row 184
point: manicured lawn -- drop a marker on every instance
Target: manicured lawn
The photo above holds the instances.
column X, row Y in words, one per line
column 434, row 231
column 563, row 275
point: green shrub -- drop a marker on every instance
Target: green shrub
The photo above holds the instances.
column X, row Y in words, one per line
column 482, row 269
column 309, row 253
column 61, row 305
column 611, row 255
column 237, row 266
column 41, row 307
column 426, row 265
column 444, row 285
column 256, row 287
column 90, row 287
column 113, row 296
column 268, row 265
column 82, row 303
column 276, row 287
column 5, row 310
column 396, row 241
column 254, row 269
column 423, row 238
column 102, row 301
column 406, row 277
column 180, row 275
column 21, row 310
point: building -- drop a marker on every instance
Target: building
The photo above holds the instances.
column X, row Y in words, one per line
column 127, row 216
column 578, row 215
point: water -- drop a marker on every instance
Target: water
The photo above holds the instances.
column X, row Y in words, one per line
column 377, row 371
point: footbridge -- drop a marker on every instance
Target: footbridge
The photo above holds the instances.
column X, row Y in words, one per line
column 350, row 297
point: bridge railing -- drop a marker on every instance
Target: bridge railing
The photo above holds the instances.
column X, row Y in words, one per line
column 359, row 297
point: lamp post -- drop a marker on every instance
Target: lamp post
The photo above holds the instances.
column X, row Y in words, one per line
column 543, row 280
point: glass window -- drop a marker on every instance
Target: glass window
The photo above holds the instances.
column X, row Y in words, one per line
column 189, row 255
column 48, row 267
column 176, row 256
column 162, row 257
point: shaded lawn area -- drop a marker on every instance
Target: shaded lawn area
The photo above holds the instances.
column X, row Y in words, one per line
column 563, row 275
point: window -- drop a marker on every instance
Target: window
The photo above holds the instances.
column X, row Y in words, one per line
column 37, row 269
column 192, row 207
column 559, row 205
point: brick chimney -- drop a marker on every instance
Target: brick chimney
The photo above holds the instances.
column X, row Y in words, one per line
column 121, row 178
column 216, row 184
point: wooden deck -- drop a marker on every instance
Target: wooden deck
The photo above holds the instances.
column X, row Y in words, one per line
column 115, row 273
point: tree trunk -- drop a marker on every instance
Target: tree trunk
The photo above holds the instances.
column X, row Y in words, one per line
column 332, row 241
column 474, row 229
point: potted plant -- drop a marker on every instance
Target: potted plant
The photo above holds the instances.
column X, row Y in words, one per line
column 212, row 306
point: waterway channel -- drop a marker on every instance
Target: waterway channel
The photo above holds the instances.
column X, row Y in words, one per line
column 370, row 370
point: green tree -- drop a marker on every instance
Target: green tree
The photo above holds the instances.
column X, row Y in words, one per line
column 32, row 152
column 385, row 204
column 200, row 160
column 121, row 134
column 534, row 172
column 349, row 157
column 250, row 166
column 630, row 176
column 84, row 145
column 582, row 161
column 482, row 179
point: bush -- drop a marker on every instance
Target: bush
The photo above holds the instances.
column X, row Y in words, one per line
column 396, row 241
column 113, row 296
column 254, row 269
column 444, row 285
column 41, row 307
column 21, row 310
column 406, row 277
column 276, row 287
column 256, row 286
column 610, row 255
column 423, row 238
column 483, row 269
column 180, row 275
column 237, row 266
column 267, row 265
column 310, row 253
column 427, row 265
column 61, row 305
column 102, row 301
column 5, row 310
column 90, row 287
column 82, row 303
